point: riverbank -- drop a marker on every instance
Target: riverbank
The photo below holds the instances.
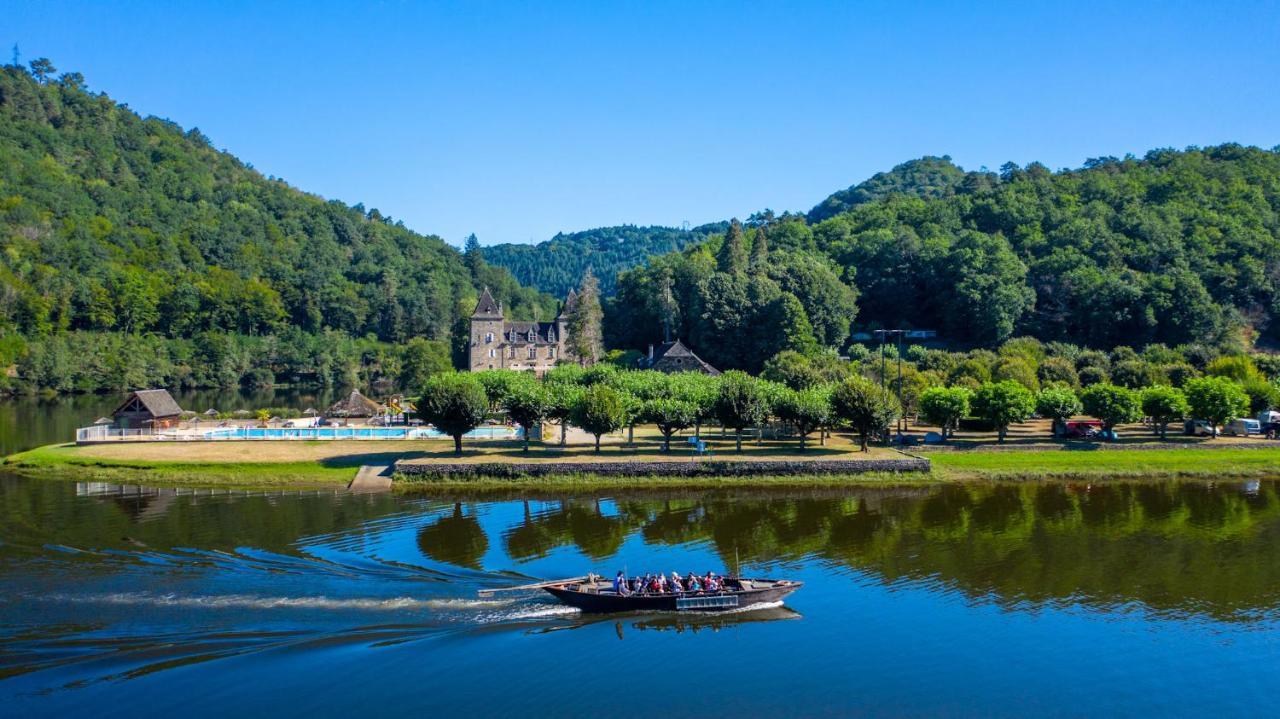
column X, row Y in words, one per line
column 330, row 464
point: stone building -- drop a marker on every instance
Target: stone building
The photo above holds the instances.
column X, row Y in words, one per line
column 500, row 344
column 675, row 357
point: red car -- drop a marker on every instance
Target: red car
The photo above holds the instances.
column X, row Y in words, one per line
column 1081, row 428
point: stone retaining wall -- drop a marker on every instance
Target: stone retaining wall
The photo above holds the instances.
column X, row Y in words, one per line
column 712, row 468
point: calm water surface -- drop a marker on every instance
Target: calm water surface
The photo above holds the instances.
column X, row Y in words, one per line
column 993, row 600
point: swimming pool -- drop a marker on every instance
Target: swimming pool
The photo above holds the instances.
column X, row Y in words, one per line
column 354, row 433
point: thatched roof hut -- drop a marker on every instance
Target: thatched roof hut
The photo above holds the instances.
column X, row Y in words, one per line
column 147, row 408
column 354, row 405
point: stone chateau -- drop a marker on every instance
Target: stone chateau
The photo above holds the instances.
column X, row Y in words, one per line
column 499, row 344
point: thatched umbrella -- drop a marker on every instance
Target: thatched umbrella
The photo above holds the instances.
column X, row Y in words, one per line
column 354, row 405
column 309, row 412
column 242, row 413
column 211, row 412
column 102, row 420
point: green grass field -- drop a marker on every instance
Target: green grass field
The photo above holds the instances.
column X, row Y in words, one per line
column 1101, row 464
column 334, row 468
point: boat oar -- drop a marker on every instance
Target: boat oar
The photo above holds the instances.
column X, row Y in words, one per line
column 528, row 587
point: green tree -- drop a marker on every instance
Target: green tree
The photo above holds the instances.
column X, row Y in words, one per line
column 563, row 397
column 807, row 410
column 528, row 404
column 420, row 359
column 455, row 402
column 599, row 411
column 865, row 406
column 945, row 407
column 1002, row 404
column 1217, row 400
column 1058, row 404
column 1112, row 405
column 1164, row 405
column 732, row 258
column 741, row 403
column 670, row 416
column 42, row 69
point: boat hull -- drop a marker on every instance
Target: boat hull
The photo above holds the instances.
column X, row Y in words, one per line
column 592, row 599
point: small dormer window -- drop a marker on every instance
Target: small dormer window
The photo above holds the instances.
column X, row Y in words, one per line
column 533, row 336
column 551, row 335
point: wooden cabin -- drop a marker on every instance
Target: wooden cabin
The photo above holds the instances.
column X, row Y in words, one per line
column 147, row 408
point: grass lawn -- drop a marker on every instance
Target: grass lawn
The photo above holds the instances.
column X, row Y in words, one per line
column 66, row 461
column 1104, row 464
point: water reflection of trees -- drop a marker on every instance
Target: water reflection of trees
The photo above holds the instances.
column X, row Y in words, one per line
column 455, row 538
column 1170, row 545
column 35, row 514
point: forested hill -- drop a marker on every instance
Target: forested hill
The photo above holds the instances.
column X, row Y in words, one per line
column 1174, row 248
column 116, row 225
column 558, row 264
column 925, row 177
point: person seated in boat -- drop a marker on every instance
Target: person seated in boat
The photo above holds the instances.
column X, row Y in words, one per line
column 661, row 581
column 655, row 586
column 620, row 584
column 692, row 583
column 711, row 584
column 676, row 585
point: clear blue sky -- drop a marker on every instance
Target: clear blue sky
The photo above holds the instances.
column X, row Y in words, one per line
column 517, row 120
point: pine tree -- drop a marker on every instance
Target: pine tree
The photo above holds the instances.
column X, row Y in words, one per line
column 733, row 251
column 585, row 317
column 760, row 251
column 473, row 256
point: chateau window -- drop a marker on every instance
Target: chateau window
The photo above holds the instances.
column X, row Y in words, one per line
column 493, row 353
column 512, row 353
column 532, row 336
column 551, row 353
column 488, row 338
column 533, row 353
column 551, row 335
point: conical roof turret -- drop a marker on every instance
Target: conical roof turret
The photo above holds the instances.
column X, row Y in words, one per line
column 487, row 307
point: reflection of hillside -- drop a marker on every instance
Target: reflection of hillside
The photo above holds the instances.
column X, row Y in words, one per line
column 1175, row 546
column 36, row 513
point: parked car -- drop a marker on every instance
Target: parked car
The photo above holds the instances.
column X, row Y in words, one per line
column 1197, row 428
column 1243, row 427
column 1081, row 428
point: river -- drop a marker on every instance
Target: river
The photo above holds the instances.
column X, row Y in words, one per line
column 1132, row 599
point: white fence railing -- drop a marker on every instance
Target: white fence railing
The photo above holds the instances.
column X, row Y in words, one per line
column 107, row 433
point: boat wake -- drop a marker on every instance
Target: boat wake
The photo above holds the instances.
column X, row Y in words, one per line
column 245, row 601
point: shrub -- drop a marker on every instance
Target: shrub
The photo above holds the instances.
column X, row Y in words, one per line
column 1135, row 373
column 1017, row 370
column 1059, row 371
column 1091, row 375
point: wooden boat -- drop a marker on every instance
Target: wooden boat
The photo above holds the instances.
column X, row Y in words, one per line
column 595, row 594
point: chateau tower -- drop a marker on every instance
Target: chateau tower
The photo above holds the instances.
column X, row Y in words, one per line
column 486, row 333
